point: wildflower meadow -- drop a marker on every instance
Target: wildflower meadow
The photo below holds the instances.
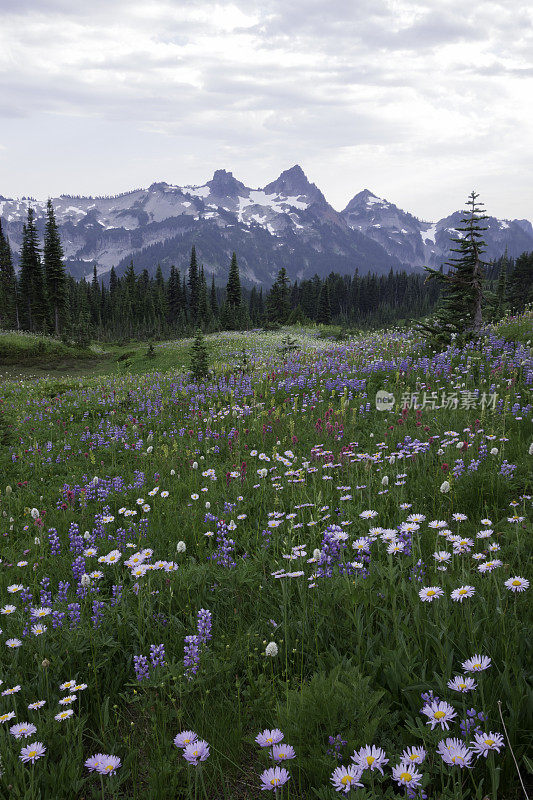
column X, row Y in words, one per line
column 264, row 581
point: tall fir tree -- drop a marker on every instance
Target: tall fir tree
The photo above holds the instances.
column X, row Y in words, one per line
column 460, row 312
column 8, row 286
column 324, row 308
column 54, row 270
column 213, row 301
column 233, row 288
column 194, row 284
column 203, row 307
column 33, row 301
column 521, row 282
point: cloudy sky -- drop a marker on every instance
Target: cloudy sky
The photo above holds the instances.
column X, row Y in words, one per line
column 417, row 100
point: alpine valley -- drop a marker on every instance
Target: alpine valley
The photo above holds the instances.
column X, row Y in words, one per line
column 286, row 223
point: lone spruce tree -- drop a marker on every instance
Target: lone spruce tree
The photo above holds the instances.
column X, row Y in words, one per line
column 233, row 288
column 33, row 301
column 8, row 286
column 199, row 361
column 56, row 279
column 194, row 284
column 460, row 312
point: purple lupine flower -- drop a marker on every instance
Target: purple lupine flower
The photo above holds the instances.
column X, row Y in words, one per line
column 53, row 539
column 78, row 567
column 58, row 617
column 204, row 625
column 191, row 659
column 507, row 469
column 62, row 591
column 74, row 614
column 157, row 655
column 76, row 543
column 46, row 594
column 116, row 592
column 336, row 744
column 98, row 612
column 224, row 554
column 141, row 666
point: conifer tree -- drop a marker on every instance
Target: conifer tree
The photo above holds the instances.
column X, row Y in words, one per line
column 194, row 284
column 203, row 308
column 33, row 302
column 233, row 288
column 501, row 289
column 213, row 302
column 8, row 285
column 324, row 308
column 521, row 282
column 460, row 312
column 199, row 359
column 54, row 270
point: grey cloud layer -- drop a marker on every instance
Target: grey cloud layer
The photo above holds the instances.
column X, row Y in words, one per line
column 323, row 80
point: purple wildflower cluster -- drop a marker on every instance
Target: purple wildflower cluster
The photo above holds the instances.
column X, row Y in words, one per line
column 141, row 664
column 195, row 642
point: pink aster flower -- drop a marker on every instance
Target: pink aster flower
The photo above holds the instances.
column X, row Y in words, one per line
column 484, row 742
column 282, row 752
column 455, row 753
column 439, row 713
column 32, row 752
column 273, row 778
column 197, row 751
column 107, row 765
column 462, row 592
column 267, row 738
column 462, row 684
column 22, row 730
column 406, row 775
column 346, row 778
column 370, row 757
column 517, row 584
column 184, row 738
column 476, row 663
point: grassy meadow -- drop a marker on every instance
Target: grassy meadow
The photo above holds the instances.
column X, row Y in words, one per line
column 263, row 583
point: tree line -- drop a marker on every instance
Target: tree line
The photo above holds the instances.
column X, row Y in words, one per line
column 43, row 298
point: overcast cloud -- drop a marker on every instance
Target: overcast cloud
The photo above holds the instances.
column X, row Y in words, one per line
column 417, row 100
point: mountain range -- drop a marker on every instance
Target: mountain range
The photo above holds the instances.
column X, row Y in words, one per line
column 286, row 223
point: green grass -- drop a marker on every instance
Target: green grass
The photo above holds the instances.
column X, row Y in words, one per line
column 355, row 650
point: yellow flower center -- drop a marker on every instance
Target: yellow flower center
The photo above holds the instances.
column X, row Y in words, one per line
column 431, row 593
column 274, row 781
column 370, row 760
column 109, row 767
column 406, row 776
column 462, row 686
column 516, row 583
column 489, row 741
column 476, row 666
column 32, row 753
column 346, row 780
column 439, row 714
column 413, row 757
column 462, row 591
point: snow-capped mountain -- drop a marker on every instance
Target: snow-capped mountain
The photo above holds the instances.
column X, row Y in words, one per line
column 428, row 243
column 286, row 223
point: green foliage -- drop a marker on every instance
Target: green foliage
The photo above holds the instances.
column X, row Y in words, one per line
column 54, row 270
column 199, row 357
column 233, row 288
column 459, row 315
column 34, row 308
column 337, row 701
